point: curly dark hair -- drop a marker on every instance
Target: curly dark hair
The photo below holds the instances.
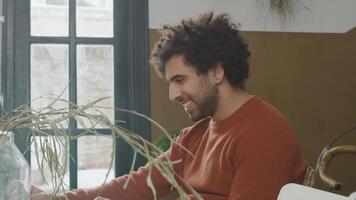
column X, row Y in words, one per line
column 204, row 42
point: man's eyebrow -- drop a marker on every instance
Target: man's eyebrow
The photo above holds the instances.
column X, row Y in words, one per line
column 175, row 77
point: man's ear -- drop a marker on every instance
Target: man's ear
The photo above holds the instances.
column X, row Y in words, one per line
column 217, row 74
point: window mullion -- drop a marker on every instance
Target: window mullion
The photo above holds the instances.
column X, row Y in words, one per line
column 72, row 18
column 72, row 85
column 73, row 164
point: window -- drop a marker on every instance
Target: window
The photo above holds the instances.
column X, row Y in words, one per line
column 92, row 3
column 95, row 48
column 56, row 2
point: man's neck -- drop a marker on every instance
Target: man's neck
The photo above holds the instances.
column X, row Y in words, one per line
column 230, row 100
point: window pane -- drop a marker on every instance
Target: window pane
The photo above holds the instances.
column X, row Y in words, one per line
column 95, row 18
column 49, row 17
column 57, row 2
column 92, row 172
column 49, row 75
column 95, row 75
column 36, row 178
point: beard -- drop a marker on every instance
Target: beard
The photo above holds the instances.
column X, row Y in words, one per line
column 206, row 103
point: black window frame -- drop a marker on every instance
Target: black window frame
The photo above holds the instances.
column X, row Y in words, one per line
column 131, row 71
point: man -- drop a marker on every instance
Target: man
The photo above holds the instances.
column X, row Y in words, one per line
column 243, row 148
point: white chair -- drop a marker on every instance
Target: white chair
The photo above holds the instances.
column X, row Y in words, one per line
column 293, row 191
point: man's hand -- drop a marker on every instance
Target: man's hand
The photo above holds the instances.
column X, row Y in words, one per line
column 38, row 194
column 35, row 190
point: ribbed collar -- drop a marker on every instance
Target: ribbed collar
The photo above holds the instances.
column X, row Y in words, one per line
column 239, row 114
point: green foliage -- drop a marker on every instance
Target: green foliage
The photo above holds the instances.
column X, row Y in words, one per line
column 163, row 142
column 283, row 8
column 53, row 144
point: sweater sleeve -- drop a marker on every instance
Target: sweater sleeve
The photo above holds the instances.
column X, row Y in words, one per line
column 264, row 164
column 136, row 189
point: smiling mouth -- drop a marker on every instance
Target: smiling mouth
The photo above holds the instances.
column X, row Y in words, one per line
column 188, row 106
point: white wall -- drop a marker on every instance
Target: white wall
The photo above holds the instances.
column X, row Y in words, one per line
column 330, row 16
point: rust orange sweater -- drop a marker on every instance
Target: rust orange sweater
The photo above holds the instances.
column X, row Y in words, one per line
column 248, row 156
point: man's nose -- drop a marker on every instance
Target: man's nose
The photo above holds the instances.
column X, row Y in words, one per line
column 174, row 93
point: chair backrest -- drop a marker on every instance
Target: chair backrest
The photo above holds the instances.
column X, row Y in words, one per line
column 293, row 191
column 353, row 196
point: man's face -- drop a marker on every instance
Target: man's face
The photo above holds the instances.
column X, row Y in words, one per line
column 197, row 94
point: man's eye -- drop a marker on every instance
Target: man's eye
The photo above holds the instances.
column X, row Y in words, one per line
column 180, row 80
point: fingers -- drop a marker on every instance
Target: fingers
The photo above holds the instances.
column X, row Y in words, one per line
column 39, row 196
column 35, row 190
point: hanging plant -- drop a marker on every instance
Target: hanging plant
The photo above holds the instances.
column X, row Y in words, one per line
column 283, row 8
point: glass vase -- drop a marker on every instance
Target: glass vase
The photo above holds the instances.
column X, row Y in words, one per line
column 14, row 170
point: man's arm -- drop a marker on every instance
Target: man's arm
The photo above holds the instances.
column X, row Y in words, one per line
column 137, row 188
column 265, row 162
column 38, row 194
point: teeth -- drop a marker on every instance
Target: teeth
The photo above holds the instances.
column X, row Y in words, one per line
column 186, row 105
